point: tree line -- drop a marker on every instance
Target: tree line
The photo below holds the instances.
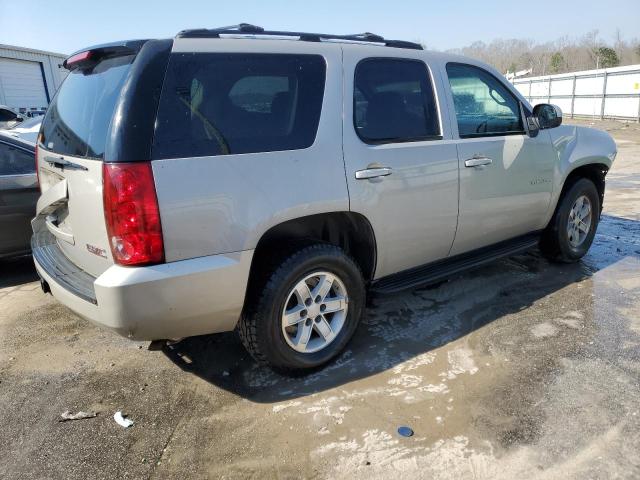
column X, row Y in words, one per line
column 560, row 56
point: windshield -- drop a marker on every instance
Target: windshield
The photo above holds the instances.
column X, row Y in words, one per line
column 78, row 119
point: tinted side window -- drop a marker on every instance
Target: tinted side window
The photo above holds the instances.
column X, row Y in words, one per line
column 78, row 119
column 15, row 161
column 484, row 106
column 393, row 101
column 218, row 104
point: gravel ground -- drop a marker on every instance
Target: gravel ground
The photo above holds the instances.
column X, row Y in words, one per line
column 522, row 369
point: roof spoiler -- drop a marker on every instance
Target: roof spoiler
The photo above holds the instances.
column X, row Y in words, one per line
column 89, row 57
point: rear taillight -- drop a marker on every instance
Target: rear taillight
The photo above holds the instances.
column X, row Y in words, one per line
column 131, row 213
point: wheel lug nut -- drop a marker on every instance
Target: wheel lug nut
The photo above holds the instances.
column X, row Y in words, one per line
column 318, row 299
column 303, row 313
column 323, row 307
column 307, row 322
column 318, row 318
column 308, row 302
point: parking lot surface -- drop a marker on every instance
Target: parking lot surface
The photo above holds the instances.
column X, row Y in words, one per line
column 521, row 369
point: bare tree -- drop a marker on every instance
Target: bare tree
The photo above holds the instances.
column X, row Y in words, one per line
column 562, row 55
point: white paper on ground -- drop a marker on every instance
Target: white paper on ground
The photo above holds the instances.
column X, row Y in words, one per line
column 122, row 421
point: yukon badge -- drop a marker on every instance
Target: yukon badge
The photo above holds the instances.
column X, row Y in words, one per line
column 538, row 181
column 101, row 252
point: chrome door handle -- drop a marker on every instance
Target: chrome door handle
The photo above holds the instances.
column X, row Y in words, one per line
column 477, row 162
column 375, row 172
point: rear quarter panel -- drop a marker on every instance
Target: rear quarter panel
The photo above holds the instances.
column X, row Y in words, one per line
column 221, row 204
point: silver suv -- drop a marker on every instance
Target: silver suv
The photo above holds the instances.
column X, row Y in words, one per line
column 265, row 181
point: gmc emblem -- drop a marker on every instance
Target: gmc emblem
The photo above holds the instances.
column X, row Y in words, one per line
column 101, row 252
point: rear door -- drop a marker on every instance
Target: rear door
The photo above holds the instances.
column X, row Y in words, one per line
column 70, row 156
column 401, row 166
column 505, row 175
column 18, row 195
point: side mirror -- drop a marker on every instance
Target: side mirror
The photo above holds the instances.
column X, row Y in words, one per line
column 548, row 116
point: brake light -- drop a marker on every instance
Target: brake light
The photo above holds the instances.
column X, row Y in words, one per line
column 76, row 59
column 131, row 213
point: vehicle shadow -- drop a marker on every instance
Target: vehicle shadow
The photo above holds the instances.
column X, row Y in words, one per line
column 399, row 327
column 17, row 271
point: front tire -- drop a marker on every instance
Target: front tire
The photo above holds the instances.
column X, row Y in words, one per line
column 573, row 226
column 304, row 312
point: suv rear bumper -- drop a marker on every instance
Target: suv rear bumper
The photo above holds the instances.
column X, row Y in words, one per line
column 168, row 301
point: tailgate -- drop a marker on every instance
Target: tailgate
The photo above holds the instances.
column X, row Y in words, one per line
column 71, row 152
column 71, row 209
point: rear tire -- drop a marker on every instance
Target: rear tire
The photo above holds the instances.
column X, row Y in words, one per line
column 295, row 332
column 570, row 232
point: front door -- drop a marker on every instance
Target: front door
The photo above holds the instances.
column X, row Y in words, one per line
column 401, row 164
column 505, row 175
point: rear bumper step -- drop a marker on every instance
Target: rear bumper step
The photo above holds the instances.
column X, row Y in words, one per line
column 65, row 273
column 437, row 271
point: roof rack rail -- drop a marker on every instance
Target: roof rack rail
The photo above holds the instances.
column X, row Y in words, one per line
column 248, row 29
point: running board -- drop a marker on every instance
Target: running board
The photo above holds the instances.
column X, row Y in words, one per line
column 442, row 269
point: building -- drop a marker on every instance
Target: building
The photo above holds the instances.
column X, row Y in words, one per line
column 29, row 78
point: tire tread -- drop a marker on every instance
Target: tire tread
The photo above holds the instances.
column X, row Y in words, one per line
column 259, row 296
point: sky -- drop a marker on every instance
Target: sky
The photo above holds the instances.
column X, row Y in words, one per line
column 65, row 26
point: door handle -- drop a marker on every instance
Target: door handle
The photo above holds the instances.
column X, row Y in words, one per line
column 477, row 162
column 375, row 172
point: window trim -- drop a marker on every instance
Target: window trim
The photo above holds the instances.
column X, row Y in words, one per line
column 387, row 141
column 524, row 130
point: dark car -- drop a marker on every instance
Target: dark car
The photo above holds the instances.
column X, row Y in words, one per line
column 18, row 195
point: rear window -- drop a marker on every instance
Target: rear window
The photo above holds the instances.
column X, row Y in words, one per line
column 77, row 121
column 220, row 103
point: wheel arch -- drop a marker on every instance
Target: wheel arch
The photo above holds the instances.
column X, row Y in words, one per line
column 596, row 172
column 350, row 231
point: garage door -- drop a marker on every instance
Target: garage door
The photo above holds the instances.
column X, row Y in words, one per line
column 22, row 84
